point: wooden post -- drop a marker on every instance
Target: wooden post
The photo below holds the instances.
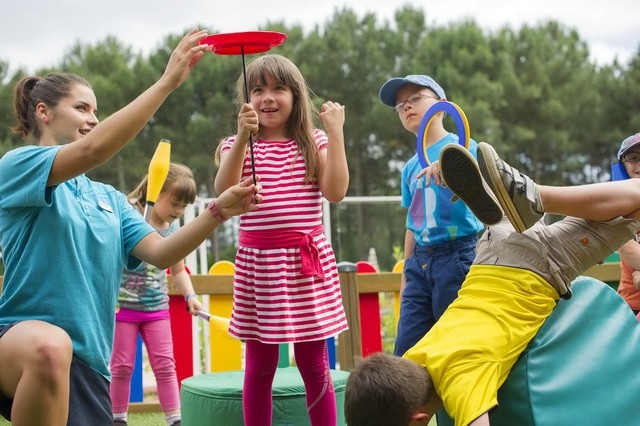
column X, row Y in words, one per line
column 349, row 344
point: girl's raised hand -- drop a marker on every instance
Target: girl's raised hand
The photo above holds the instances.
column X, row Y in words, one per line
column 240, row 198
column 332, row 116
column 247, row 123
column 184, row 57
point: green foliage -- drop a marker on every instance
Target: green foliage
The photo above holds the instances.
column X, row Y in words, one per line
column 531, row 91
column 398, row 253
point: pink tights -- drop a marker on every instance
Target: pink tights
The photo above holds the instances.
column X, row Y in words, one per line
column 157, row 338
column 261, row 364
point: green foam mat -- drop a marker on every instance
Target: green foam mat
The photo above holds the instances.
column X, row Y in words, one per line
column 582, row 368
column 216, row 398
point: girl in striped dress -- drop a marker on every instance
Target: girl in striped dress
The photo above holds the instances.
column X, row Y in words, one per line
column 286, row 286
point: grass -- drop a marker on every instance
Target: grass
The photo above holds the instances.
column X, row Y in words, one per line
column 142, row 419
column 147, row 419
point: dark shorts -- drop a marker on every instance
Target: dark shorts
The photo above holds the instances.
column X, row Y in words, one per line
column 89, row 400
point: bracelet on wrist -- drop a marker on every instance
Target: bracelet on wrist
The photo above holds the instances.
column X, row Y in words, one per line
column 189, row 296
column 215, row 212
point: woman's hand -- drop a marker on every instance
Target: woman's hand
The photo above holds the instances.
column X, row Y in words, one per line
column 240, row 198
column 184, row 57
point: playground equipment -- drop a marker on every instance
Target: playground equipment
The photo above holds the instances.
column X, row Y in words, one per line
column 219, row 396
column 158, row 171
column 228, row 350
column 587, row 333
column 370, row 308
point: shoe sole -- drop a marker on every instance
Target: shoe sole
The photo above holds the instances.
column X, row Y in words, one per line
column 487, row 158
column 462, row 176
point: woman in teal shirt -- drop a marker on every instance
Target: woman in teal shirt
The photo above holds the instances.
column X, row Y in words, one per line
column 65, row 240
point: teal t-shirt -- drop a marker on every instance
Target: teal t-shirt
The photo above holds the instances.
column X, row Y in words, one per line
column 432, row 217
column 64, row 248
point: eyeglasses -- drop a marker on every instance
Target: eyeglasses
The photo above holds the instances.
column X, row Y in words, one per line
column 631, row 157
column 413, row 99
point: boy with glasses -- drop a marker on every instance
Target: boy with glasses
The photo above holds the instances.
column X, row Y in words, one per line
column 440, row 238
column 629, row 154
column 629, row 157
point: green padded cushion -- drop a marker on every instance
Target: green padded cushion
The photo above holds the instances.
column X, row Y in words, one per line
column 216, row 398
column 582, row 368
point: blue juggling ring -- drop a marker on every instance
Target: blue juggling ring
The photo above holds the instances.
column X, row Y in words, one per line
column 462, row 126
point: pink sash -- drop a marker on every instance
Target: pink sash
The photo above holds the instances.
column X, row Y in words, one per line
column 309, row 253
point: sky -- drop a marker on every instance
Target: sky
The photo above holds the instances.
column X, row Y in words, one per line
column 37, row 33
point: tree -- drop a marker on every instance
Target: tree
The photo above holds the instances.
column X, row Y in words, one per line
column 549, row 92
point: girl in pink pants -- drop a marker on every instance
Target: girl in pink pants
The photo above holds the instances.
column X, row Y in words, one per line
column 143, row 303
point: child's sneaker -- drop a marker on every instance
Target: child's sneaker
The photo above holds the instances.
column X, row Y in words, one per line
column 461, row 174
column 517, row 193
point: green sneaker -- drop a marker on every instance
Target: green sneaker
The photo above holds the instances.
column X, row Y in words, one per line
column 461, row 174
column 517, row 194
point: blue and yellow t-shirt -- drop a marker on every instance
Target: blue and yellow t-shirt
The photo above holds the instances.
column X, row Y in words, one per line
column 432, row 217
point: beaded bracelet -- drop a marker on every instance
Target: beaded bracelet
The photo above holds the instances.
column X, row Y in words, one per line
column 215, row 212
column 189, row 296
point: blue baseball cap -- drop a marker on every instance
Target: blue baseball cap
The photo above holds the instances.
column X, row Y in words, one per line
column 627, row 144
column 389, row 90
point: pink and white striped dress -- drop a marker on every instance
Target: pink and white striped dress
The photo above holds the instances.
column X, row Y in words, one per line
column 286, row 286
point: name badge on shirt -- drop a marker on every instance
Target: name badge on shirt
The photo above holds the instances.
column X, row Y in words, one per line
column 105, row 207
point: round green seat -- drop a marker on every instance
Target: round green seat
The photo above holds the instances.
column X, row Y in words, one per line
column 216, row 398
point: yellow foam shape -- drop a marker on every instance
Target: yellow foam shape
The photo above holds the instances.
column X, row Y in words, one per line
column 226, row 352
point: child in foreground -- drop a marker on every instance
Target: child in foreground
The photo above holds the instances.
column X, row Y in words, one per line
column 512, row 287
column 143, row 302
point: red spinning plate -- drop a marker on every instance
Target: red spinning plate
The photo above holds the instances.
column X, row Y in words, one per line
column 251, row 41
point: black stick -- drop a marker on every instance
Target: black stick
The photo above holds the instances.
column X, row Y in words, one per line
column 246, row 99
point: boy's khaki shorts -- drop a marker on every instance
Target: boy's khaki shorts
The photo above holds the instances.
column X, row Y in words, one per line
column 558, row 252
